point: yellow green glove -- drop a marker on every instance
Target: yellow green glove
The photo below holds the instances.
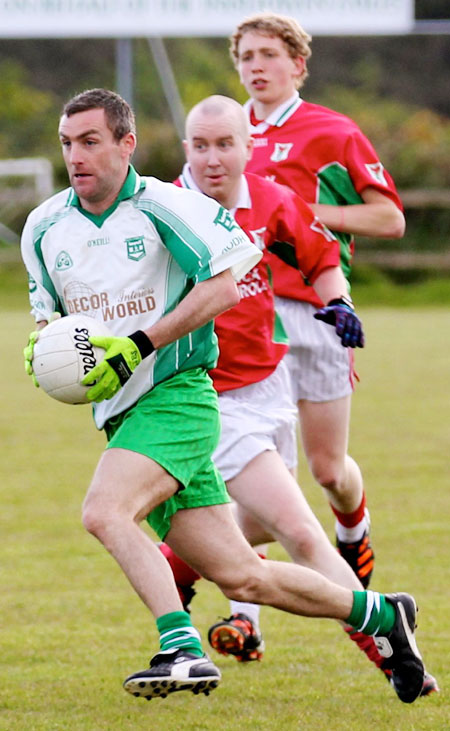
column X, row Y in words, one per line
column 28, row 355
column 28, row 351
column 122, row 357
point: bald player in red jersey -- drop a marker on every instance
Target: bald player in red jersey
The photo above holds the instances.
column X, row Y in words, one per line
column 258, row 445
column 251, row 335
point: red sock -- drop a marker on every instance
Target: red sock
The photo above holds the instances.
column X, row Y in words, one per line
column 366, row 644
column 349, row 520
column 183, row 574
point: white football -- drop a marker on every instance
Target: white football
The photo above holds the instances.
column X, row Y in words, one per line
column 63, row 356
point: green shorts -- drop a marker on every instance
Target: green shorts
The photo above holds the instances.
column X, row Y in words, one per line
column 177, row 424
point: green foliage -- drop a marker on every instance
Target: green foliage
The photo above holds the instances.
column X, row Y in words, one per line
column 29, row 116
column 413, row 143
column 28, row 128
column 159, row 151
column 205, row 68
column 401, row 288
column 201, row 68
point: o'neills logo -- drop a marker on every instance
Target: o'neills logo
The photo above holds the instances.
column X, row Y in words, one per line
column 81, row 299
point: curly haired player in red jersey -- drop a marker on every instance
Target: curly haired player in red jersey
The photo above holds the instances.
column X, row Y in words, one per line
column 326, row 159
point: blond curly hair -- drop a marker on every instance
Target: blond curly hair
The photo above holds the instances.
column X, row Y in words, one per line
column 294, row 37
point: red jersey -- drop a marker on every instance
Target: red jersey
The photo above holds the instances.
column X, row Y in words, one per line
column 252, row 340
column 325, row 158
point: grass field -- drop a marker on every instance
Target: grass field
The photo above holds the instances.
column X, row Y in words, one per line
column 72, row 628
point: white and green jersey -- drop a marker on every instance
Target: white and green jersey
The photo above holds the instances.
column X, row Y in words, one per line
column 132, row 265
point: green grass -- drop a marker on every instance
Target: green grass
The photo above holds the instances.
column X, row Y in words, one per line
column 72, row 629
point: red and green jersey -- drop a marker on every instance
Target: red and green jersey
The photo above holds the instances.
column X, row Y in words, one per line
column 252, row 340
column 325, row 158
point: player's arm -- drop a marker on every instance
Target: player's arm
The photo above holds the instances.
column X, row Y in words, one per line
column 377, row 216
column 123, row 354
column 203, row 303
column 331, row 284
column 316, row 255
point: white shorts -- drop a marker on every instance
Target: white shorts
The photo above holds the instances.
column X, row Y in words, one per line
column 256, row 418
column 321, row 369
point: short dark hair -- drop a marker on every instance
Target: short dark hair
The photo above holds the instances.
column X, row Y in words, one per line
column 119, row 115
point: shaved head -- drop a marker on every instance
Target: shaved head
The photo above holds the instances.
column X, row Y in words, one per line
column 218, row 106
column 218, row 145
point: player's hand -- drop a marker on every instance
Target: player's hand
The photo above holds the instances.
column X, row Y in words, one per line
column 28, row 356
column 340, row 313
column 28, row 351
column 122, row 357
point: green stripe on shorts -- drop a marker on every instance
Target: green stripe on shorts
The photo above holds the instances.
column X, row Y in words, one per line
column 177, row 424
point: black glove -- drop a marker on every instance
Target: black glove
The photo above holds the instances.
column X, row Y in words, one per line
column 340, row 313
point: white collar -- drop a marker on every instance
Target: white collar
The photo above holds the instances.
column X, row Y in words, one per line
column 243, row 201
column 276, row 118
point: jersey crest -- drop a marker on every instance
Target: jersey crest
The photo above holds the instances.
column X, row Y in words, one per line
column 225, row 219
column 258, row 237
column 63, row 261
column 320, row 228
column 135, row 248
column 281, row 151
column 376, row 170
column 32, row 286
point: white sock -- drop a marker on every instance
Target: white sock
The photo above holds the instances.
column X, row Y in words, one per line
column 250, row 610
column 351, row 535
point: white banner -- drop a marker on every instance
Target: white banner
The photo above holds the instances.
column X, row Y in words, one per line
column 170, row 18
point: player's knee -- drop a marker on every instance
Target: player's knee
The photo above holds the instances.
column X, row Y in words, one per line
column 90, row 521
column 246, row 591
column 329, row 481
column 329, row 474
column 305, row 539
column 94, row 519
column 244, row 586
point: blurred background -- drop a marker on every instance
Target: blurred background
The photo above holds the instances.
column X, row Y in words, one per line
column 396, row 87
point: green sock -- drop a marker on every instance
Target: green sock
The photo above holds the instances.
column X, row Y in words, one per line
column 371, row 613
column 176, row 631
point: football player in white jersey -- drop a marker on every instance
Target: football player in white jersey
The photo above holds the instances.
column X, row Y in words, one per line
column 170, row 258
